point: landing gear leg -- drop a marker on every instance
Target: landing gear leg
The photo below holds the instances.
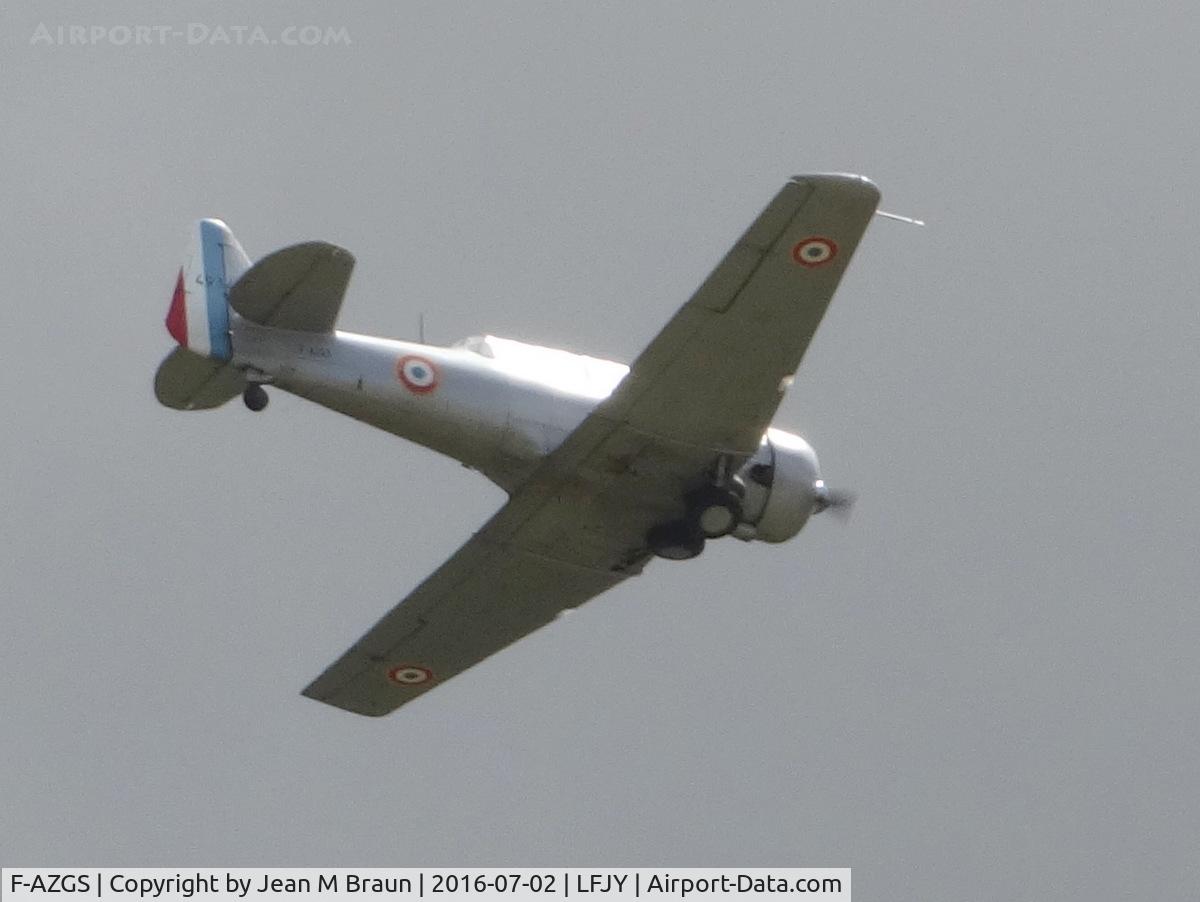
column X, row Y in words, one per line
column 255, row 397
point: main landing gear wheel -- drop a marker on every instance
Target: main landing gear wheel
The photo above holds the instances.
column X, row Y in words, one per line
column 255, row 397
column 716, row 511
column 680, row 540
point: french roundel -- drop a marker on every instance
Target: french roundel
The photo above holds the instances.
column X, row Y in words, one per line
column 814, row 251
column 410, row 675
column 417, row 374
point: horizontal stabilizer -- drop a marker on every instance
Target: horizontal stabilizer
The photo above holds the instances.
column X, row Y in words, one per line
column 299, row 288
column 187, row 381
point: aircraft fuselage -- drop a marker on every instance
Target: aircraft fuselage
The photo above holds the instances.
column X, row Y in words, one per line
column 495, row 405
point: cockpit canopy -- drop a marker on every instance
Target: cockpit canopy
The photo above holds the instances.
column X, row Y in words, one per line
column 573, row 373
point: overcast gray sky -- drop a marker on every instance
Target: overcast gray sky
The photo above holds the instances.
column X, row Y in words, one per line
column 984, row 686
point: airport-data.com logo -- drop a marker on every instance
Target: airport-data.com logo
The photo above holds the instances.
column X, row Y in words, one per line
column 194, row 34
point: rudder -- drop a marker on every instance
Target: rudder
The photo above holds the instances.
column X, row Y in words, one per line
column 198, row 318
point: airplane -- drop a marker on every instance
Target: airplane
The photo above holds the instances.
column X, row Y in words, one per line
column 606, row 466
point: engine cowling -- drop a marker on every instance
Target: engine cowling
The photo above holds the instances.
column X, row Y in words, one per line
column 781, row 488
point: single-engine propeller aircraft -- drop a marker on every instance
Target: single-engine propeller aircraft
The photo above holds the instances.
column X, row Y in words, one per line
column 605, row 465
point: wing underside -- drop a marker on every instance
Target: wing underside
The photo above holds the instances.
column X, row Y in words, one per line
column 497, row 588
column 717, row 371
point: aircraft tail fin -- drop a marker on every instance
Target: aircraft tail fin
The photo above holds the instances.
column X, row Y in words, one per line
column 198, row 318
column 197, row 374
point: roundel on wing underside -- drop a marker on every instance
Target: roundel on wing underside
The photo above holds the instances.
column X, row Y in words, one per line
column 409, row 675
column 814, row 251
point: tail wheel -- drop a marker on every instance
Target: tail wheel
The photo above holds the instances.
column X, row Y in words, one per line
column 716, row 511
column 679, row 540
column 255, row 397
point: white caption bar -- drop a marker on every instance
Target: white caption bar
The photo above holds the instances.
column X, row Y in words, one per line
column 447, row 884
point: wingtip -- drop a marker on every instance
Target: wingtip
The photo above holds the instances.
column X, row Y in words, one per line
column 832, row 177
column 364, row 712
column 844, row 179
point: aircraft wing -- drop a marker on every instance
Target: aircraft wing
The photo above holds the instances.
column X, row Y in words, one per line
column 299, row 287
column 575, row 528
column 535, row 558
column 707, row 385
column 717, row 371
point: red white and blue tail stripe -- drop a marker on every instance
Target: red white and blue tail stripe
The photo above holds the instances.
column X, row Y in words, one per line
column 199, row 314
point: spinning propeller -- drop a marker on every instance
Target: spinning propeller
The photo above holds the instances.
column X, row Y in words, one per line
column 838, row 501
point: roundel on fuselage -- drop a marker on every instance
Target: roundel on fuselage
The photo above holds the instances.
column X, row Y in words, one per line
column 417, row 374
